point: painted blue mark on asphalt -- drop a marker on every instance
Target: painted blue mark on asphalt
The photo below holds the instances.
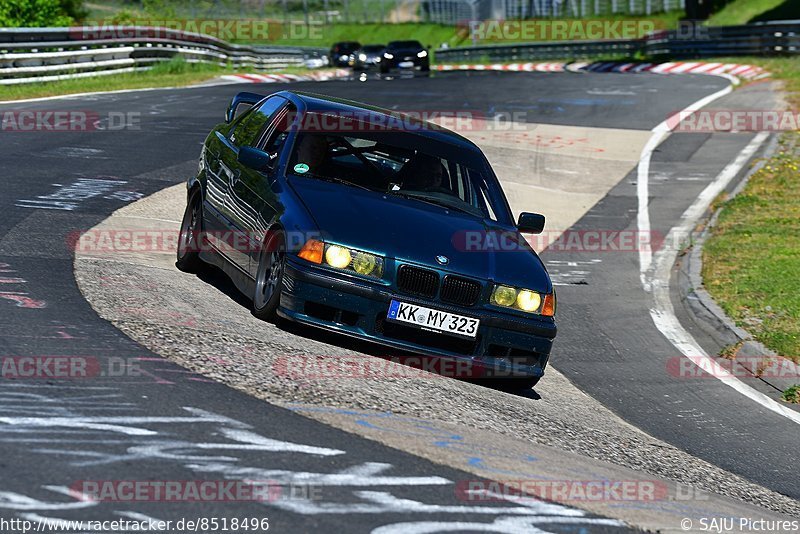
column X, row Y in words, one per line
column 455, row 442
column 342, row 411
column 587, row 101
column 507, row 113
column 452, row 437
column 366, row 423
column 480, row 464
column 665, row 505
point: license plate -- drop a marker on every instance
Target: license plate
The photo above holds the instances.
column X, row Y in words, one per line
column 405, row 64
column 434, row 320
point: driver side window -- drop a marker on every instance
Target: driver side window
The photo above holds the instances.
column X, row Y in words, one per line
column 279, row 130
column 249, row 130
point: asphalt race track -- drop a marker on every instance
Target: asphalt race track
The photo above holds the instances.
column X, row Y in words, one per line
column 170, row 424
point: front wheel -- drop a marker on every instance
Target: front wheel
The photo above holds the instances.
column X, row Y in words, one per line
column 269, row 277
column 190, row 235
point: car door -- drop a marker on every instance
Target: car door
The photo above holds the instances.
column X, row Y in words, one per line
column 215, row 221
column 237, row 213
column 253, row 193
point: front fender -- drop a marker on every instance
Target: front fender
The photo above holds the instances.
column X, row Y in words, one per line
column 296, row 222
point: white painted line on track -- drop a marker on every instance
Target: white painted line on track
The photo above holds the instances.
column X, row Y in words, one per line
column 655, row 273
column 660, row 132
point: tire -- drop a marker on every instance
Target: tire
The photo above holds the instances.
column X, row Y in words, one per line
column 190, row 235
column 269, row 277
column 385, row 70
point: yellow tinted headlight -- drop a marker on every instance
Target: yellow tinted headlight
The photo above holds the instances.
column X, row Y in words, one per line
column 355, row 261
column 504, row 296
column 528, row 301
column 364, row 263
column 337, row 256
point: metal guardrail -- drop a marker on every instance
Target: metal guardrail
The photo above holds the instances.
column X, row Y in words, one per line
column 762, row 39
column 544, row 51
column 45, row 54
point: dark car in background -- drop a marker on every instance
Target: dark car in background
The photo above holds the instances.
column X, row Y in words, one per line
column 341, row 53
column 405, row 55
column 363, row 226
column 368, row 57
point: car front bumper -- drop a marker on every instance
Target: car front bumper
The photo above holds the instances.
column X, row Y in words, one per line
column 405, row 63
column 505, row 346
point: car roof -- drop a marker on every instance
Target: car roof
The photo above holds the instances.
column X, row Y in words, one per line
column 316, row 103
column 408, row 42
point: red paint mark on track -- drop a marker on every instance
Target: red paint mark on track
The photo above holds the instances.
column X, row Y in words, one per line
column 23, row 301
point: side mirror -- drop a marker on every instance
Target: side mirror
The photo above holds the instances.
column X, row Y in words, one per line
column 531, row 223
column 241, row 103
column 254, row 158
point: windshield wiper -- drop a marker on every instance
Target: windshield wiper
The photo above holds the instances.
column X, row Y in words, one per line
column 334, row 179
column 431, row 200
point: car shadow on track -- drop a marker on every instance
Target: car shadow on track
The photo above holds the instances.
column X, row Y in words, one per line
column 213, row 276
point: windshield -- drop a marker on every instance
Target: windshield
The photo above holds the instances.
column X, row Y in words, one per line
column 372, row 162
column 345, row 47
column 405, row 44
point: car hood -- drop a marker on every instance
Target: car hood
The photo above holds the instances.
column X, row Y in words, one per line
column 418, row 232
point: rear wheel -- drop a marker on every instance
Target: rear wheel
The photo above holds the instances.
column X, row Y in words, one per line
column 190, row 235
column 269, row 277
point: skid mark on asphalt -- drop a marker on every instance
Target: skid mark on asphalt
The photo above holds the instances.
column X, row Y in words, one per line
column 19, row 298
column 69, row 197
column 569, row 272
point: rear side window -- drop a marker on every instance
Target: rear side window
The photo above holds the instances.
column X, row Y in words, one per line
column 248, row 131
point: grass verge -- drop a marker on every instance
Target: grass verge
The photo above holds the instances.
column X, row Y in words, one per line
column 432, row 35
column 792, row 395
column 746, row 11
column 751, row 261
column 174, row 73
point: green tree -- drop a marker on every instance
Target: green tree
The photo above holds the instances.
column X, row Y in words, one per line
column 40, row 13
column 702, row 9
